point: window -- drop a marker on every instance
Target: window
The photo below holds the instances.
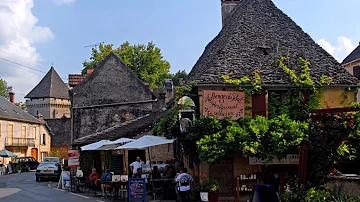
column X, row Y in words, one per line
column 356, row 72
column 10, row 131
column 34, row 132
column 23, row 132
column 42, row 139
column 43, row 155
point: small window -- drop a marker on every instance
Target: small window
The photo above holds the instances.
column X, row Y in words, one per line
column 43, row 140
column 356, row 72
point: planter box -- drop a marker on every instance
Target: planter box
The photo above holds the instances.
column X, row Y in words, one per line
column 204, row 196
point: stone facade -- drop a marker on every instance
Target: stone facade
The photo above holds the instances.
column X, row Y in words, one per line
column 112, row 94
column 26, row 139
column 50, row 108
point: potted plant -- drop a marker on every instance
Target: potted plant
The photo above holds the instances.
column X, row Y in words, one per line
column 208, row 189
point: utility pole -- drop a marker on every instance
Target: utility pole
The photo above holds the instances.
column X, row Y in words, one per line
column 95, row 45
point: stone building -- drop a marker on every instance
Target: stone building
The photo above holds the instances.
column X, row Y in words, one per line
column 22, row 133
column 112, row 102
column 61, row 137
column 50, row 97
column 254, row 35
column 352, row 64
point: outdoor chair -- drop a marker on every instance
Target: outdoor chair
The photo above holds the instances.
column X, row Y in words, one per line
column 91, row 187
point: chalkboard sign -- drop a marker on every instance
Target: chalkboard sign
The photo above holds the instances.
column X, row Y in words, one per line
column 137, row 189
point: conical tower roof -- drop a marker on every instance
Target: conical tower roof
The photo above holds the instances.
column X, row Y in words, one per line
column 51, row 86
column 253, row 38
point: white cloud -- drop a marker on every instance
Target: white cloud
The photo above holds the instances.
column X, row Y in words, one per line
column 18, row 34
column 339, row 51
column 63, row 1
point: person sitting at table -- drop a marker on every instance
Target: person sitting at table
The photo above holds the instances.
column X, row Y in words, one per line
column 166, row 171
column 155, row 173
column 171, row 173
column 94, row 177
column 105, row 181
column 138, row 173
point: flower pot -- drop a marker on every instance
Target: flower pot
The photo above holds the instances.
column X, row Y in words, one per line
column 204, row 196
column 213, row 197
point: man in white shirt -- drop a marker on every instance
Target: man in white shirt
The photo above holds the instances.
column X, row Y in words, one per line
column 135, row 165
column 184, row 181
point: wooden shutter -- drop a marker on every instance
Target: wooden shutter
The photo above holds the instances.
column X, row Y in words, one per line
column 259, row 104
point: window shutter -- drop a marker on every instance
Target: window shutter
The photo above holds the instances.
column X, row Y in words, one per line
column 259, row 104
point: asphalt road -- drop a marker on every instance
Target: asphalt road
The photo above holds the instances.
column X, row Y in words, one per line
column 22, row 187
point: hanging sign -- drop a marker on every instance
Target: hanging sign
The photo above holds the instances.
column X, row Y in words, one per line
column 73, row 158
column 291, row 159
column 224, row 104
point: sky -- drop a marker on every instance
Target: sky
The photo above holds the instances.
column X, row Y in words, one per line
column 35, row 34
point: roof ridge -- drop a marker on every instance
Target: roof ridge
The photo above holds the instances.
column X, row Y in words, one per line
column 353, row 56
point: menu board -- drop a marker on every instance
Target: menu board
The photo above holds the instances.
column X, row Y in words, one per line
column 137, row 189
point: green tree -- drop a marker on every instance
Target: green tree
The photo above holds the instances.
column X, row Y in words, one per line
column 146, row 61
column 178, row 77
column 21, row 105
column 5, row 89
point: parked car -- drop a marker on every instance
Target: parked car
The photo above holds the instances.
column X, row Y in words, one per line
column 48, row 170
column 26, row 163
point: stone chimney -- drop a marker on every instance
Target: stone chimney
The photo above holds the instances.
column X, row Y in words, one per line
column 160, row 94
column 89, row 71
column 12, row 97
column 227, row 7
column 40, row 117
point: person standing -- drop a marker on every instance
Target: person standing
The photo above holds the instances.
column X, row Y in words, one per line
column 183, row 186
column 136, row 165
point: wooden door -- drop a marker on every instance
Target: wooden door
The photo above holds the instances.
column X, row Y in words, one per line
column 223, row 173
column 34, row 153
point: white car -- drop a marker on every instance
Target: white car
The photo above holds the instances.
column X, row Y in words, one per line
column 48, row 170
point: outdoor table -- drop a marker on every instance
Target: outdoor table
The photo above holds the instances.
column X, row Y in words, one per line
column 116, row 186
column 75, row 183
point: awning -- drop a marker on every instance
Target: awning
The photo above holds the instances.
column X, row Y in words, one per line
column 146, row 141
column 94, row 146
column 111, row 145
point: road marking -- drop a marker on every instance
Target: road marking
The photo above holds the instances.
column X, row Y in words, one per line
column 100, row 201
column 79, row 195
column 58, row 189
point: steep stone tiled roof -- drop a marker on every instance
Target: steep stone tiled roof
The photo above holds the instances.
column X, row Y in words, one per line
column 10, row 111
column 51, row 86
column 353, row 56
column 253, row 38
column 125, row 129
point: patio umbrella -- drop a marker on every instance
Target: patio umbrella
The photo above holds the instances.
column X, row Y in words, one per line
column 147, row 141
column 5, row 153
column 116, row 143
column 94, row 146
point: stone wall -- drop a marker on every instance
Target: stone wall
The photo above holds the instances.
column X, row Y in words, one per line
column 345, row 186
column 62, row 150
column 88, row 121
column 50, row 108
column 111, row 82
